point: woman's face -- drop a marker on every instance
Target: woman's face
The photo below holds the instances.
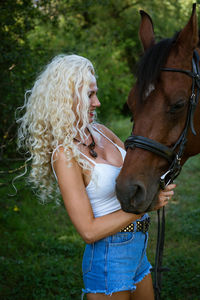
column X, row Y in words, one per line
column 94, row 101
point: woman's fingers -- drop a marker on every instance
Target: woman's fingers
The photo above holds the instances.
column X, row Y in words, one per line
column 161, row 203
column 168, row 191
column 170, row 187
column 165, row 195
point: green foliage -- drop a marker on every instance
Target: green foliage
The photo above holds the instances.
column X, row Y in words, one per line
column 106, row 32
column 17, row 18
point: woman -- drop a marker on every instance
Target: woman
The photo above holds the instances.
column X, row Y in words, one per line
column 59, row 131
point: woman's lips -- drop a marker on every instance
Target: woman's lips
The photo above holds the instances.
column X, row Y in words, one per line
column 91, row 113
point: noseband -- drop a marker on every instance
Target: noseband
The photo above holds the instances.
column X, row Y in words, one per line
column 172, row 156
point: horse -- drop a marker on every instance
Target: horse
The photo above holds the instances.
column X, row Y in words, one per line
column 166, row 113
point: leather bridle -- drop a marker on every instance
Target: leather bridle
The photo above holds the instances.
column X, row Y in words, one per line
column 173, row 155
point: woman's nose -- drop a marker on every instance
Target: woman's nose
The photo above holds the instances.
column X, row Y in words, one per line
column 95, row 101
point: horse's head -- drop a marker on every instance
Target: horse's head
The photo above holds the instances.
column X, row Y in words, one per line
column 160, row 104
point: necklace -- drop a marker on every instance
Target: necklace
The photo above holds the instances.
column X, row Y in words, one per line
column 91, row 146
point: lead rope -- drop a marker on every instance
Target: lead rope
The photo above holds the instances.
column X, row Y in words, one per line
column 158, row 269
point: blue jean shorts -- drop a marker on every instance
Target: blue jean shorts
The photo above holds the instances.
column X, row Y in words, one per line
column 115, row 263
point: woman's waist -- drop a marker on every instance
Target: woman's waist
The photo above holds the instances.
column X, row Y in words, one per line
column 139, row 228
column 141, row 224
column 102, row 207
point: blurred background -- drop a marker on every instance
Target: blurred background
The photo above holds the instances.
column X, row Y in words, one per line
column 40, row 252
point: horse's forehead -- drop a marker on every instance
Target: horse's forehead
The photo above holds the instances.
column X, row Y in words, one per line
column 148, row 90
column 178, row 58
column 134, row 94
column 168, row 86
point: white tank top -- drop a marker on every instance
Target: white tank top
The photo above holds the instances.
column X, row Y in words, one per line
column 101, row 188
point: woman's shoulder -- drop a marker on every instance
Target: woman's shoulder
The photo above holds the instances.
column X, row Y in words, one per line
column 111, row 135
column 63, row 165
column 105, row 130
column 58, row 153
column 59, row 157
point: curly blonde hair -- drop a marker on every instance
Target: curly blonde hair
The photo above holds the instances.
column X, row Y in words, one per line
column 56, row 112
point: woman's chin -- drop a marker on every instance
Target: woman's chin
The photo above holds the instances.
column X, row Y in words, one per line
column 91, row 119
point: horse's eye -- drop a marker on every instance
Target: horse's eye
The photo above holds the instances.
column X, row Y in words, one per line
column 174, row 108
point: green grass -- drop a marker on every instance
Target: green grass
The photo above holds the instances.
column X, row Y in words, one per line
column 40, row 252
column 182, row 242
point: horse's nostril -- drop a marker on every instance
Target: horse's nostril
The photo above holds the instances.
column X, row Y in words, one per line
column 138, row 196
column 132, row 196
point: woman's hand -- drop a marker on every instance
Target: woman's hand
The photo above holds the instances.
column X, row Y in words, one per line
column 165, row 195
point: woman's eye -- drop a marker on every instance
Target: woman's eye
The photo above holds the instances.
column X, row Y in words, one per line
column 90, row 94
column 177, row 106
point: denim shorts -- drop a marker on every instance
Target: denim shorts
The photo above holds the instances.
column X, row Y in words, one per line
column 115, row 263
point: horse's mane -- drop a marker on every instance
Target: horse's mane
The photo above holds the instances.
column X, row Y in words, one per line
column 151, row 62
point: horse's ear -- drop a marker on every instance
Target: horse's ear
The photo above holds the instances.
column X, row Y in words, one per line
column 188, row 38
column 146, row 32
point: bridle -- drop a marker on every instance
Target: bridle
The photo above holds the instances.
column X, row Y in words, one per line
column 172, row 156
column 174, row 159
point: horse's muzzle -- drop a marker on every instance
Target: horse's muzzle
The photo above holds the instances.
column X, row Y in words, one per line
column 132, row 196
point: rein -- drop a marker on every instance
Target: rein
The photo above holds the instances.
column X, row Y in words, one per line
column 173, row 157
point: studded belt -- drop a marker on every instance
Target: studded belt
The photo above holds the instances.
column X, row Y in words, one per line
column 139, row 226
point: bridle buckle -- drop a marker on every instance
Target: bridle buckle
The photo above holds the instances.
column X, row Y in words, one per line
column 192, row 98
column 163, row 179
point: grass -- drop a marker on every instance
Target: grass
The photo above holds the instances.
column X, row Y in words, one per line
column 182, row 246
column 40, row 252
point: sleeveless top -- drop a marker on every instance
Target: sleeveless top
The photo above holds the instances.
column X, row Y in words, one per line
column 101, row 188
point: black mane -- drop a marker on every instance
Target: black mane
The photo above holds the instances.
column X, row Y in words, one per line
column 151, row 63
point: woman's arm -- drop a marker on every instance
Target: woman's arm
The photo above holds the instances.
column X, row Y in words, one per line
column 78, row 206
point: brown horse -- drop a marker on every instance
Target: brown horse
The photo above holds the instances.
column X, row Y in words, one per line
column 166, row 114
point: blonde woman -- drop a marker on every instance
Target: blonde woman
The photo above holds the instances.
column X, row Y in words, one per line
column 68, row 147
